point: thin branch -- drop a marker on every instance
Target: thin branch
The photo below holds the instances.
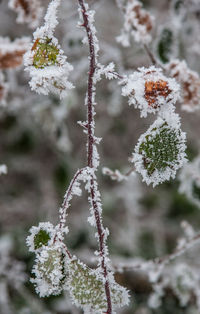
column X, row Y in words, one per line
column 160, row 261
column 68, row 197
column 90, row 150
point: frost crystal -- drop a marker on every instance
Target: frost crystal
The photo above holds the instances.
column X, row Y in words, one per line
column 45, row 60
column 149, row 90
column 190, row 181
column 27, row 11
column 40, row 236
column 160, row 151
column 190, row 82
column 49, row 271
column 87, row 288
column 138, row 23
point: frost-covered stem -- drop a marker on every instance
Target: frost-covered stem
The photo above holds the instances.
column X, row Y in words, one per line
column 164, row 260
column 90, row 150
column 67, row 198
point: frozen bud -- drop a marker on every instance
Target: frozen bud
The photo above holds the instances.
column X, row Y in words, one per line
column 48, row 271
column 41, row 236
column 138, row 23
column 28, row 12
column 190, row 181
column 160, row 151
column 87, row 289
column 149, row 90
column 190, row 83
column 11, row 53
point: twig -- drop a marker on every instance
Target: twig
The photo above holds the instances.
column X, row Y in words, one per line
column 90, row 150
column 160, row 261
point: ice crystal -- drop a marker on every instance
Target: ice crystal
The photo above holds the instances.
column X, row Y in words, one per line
column 160, row 151
column 149, row 90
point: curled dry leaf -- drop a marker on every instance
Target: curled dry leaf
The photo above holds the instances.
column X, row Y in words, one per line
column 190, row 82
column 11, row 53
column 27, row 11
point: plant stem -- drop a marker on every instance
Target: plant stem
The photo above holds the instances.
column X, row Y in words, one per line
column 90, row 151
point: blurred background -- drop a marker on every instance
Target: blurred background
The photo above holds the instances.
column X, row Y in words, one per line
column 42, row 146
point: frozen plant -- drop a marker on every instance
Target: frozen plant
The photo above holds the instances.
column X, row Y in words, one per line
column 138, row 23
column 28, row 12
column 190, row 83
column 45, row 60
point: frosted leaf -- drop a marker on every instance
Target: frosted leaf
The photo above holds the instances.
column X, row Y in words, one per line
column 40, row 236
column 160, row 152
column 149, row 90
column 3, row 169
column 87, row 288
column 28, row 12
column 11, row 52
column 138, row 23
column 3, row 90
column 189, row 178
column 190, row 83
column 45, row 60
column 48, row 271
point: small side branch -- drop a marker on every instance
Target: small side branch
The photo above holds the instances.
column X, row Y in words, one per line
column 68, row 196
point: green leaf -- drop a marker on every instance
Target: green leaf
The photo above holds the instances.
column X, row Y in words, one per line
column 46, row 54
column 165, row 45
column 161, row 150
column 87, row 289
column 41, row 238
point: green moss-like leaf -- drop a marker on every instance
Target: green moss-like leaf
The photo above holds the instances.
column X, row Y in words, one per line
column 165, row 45
column 46, row 54
column 87, row 289
column 161, row 150
column 41, row 238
